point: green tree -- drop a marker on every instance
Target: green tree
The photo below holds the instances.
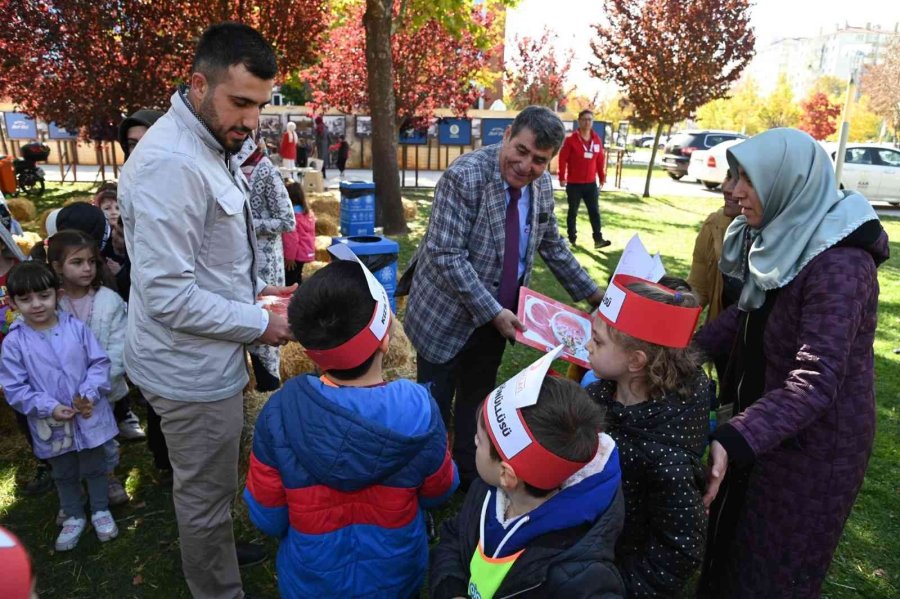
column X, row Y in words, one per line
column 779, row 108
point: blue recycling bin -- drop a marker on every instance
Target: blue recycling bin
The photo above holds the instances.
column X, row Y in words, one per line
column 357, row 208
column 379, row 254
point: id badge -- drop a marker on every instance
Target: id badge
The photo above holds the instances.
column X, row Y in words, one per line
column 588, row 155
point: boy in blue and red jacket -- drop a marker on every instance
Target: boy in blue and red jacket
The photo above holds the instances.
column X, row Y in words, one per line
column 343, row 465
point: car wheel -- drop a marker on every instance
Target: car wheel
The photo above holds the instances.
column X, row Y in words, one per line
column 675, row 176
column 710, row 184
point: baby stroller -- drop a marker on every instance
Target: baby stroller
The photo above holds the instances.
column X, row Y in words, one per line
column 29, row 176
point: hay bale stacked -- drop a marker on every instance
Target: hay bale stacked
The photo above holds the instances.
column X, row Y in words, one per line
column 325, row 203
column 27, row 240
column 294, row 361
column 323, row 242
column 400, row 361
column 311, row 268
column 21, row 209
column 327, row 225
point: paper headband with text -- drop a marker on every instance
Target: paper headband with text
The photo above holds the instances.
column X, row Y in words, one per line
column 361, row 346
column 643, row 318
column 512, row 438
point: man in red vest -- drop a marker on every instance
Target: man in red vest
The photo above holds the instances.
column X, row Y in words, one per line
column 582, row 158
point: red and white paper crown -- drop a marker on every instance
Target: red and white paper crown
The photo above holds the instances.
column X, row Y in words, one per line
column 514, row 441
column 646, row 319
column 361, row 346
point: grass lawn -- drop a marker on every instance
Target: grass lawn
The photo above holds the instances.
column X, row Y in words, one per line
column 144, row 560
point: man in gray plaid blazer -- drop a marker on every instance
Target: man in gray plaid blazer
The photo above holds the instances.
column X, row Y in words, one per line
column 461, row 307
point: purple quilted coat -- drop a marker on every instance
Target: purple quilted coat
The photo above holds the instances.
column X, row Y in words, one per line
column 812, row 430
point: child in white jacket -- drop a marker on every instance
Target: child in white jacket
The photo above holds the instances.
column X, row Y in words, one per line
column 75, row 257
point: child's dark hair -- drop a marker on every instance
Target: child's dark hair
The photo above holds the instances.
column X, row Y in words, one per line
column 298, row 198
column 30, row 277
column 668, row 369
column 70, row 240
column 564, row 421
column 330, row 308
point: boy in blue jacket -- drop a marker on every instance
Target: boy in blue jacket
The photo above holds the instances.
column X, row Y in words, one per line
column 343, row 465
column 543, row 518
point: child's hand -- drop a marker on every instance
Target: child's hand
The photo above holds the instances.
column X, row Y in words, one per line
column 114, row 267
column 84, row 406
column 62, row 413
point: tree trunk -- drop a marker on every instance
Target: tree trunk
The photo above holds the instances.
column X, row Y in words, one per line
column 380, row 79
column 659, row 128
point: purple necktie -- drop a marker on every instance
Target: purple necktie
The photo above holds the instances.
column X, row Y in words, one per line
column 509, row 279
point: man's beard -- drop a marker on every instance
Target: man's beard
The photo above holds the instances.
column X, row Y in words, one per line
column 208, row 114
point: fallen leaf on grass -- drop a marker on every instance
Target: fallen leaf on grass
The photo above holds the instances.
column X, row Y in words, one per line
column 879, row 573
column 137, row 580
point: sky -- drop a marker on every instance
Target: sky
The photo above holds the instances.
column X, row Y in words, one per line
column 772, row 19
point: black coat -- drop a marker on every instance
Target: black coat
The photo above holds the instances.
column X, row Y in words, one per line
column 572, row 563
column 661, row 444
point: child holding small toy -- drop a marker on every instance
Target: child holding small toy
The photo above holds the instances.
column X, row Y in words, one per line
column 657, row 402
column 55, row 372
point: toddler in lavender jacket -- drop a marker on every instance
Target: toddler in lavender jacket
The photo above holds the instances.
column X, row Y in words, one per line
column 54, row 371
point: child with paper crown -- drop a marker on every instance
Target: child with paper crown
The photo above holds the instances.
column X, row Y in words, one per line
column 657, row 402
column 343, row 465
column 543, row 518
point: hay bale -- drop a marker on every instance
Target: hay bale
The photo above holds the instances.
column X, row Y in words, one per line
column 21, row 209
column 41, row 221
column 76, row 199
column 325, row 203
column 410, row 210
column 311, row 268
column 323, row 242
column 401, row 303
column 27, row 240
column 294, row 361
column 327, row 225
column 400, row 359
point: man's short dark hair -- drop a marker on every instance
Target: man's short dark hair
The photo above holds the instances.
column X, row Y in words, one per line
column 565, row 421
column 224, row 45
column 548, row 129
column 329, row 308
column 584, row 112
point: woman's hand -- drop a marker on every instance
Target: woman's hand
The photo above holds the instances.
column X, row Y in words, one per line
column 114, row 267
column 718, row 464
column 290, row 264
column 279, row 290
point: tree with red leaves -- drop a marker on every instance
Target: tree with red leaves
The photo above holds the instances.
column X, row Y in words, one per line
column 671, row 56
column 86, row 63
column 399, row 62
column 537, row 74
column 819, row 116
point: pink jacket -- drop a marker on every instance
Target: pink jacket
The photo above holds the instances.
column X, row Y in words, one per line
column 300, row 244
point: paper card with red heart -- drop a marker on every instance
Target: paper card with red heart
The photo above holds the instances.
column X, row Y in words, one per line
column 550, row 323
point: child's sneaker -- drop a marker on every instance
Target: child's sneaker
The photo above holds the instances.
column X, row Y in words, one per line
column 71, row 531
column 104, row 525
column 130, row 427
column 117, row 494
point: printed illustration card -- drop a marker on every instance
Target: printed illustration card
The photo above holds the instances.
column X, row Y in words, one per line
column 551, row 323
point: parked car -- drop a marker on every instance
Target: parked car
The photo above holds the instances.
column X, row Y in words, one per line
column 681, row 145
column 709, row 166
column 873, row 170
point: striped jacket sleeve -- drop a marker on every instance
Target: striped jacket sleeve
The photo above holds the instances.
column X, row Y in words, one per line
column 265, row 494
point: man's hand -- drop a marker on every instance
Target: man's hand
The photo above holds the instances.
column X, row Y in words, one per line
column 718, row 464
column 508, row 323
column 113, row 266
column 595, row 298
column 61, row 413
column 278, row 332
column 278, row 290
column 562, row 182
column 290, row 264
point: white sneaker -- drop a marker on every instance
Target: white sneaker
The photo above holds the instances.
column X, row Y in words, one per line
column 130, row 427
column 104, row 525
column 71, row 531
